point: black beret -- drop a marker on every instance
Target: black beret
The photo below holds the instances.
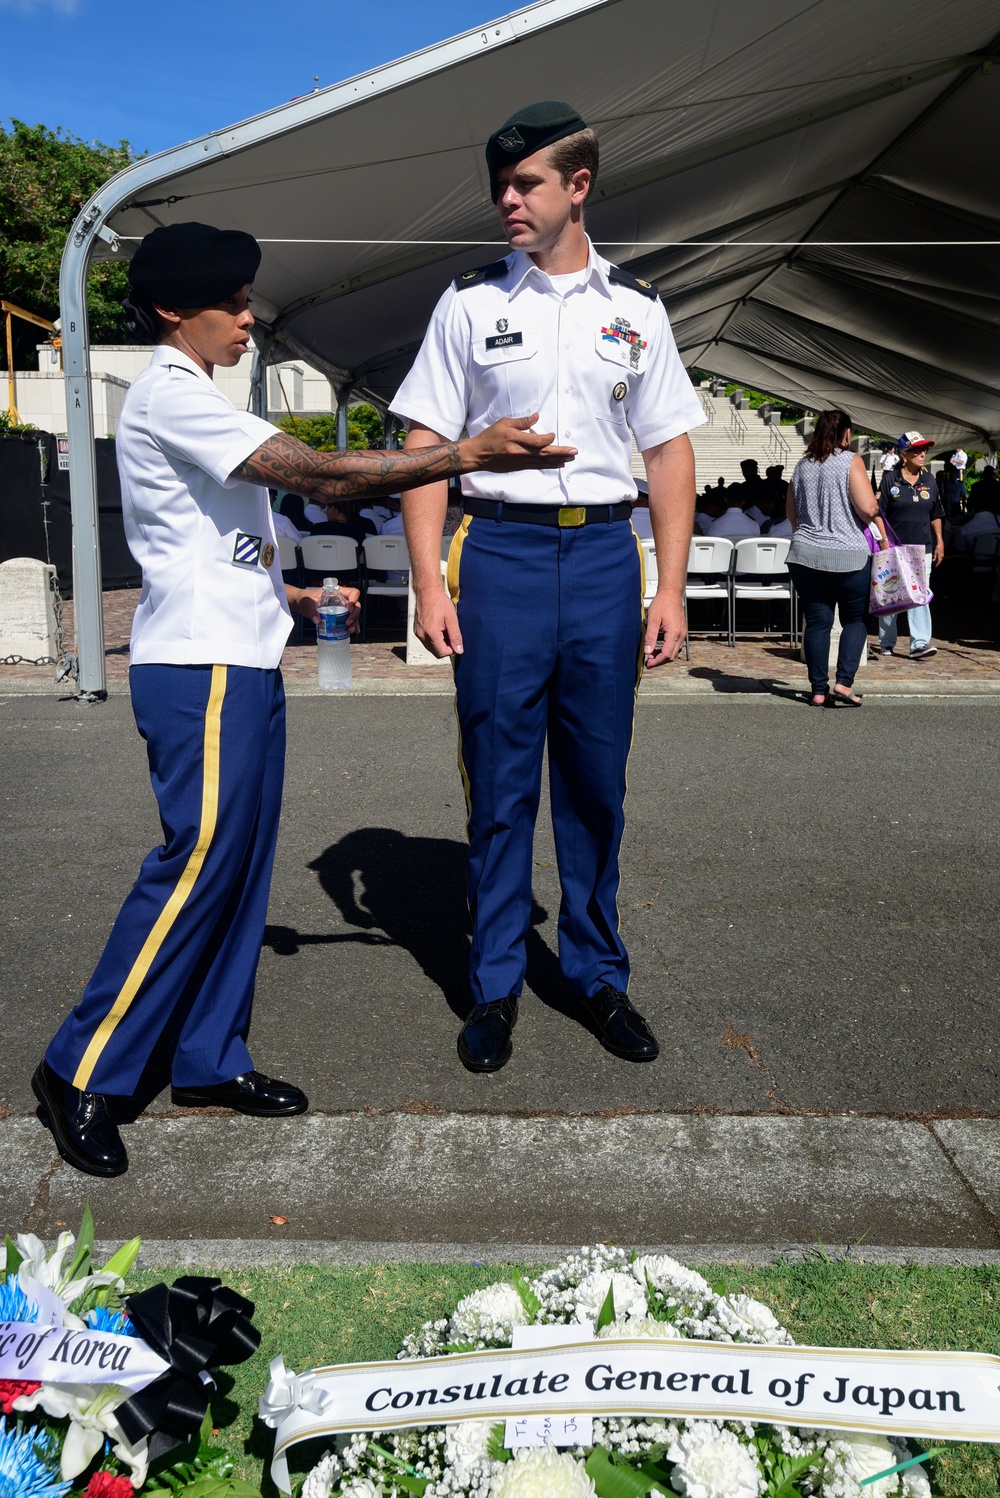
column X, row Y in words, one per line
column 193, row 265
column 526, row 132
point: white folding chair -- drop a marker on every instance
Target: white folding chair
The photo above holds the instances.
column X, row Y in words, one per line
column 985, row 554
column 709, row 561
column 331, row 555
column 288, row 554
column 383, row 554
column 760, row 573
column 652, row 577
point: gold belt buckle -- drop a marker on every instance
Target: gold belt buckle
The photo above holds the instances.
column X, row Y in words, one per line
column 572, row 515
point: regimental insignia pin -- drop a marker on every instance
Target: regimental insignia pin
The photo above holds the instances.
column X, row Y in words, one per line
column 246, row 552
column 469, row 275
column 267, row 555
column 648, row 284
column 501, row 325
column 512, row 141
column 619, row 391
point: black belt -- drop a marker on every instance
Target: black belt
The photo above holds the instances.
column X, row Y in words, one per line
column 562, row 516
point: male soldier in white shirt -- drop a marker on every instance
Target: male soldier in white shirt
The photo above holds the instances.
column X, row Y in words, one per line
column 543, row 612
column 207, row 638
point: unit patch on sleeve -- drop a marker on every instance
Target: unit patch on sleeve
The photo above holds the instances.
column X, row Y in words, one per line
column 246, row 552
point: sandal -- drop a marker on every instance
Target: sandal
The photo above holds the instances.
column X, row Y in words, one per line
column 818, row 699
column 843, row 699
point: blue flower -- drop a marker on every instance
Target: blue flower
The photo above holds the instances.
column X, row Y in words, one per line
column 29, row 1464
column 14, row 1304
column 100, row 1319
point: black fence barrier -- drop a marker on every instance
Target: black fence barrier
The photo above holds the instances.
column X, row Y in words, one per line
column 35, row 517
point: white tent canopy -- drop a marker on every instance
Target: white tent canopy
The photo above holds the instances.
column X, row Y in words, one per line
column 787, row 174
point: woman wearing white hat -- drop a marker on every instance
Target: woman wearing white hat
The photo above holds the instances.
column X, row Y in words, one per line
column 910, row 503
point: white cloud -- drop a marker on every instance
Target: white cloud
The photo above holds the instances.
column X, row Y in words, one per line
column 32, row 7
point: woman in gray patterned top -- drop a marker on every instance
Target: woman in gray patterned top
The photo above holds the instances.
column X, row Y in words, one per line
column 830, row 502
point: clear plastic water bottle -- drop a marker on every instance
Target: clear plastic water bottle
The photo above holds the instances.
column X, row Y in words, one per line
column 333, row 645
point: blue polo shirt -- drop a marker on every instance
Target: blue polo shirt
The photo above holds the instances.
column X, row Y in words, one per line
column 910, row 508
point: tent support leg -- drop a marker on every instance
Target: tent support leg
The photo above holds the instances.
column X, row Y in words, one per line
column 88, row 606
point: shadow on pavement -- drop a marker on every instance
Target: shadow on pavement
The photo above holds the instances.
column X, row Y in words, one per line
column 410, row 892
column 731, row 681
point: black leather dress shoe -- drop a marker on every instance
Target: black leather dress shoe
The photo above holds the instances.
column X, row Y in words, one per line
column 253, row 1093
column 621, row 1030
column 484, row 1042
column 86, row 1135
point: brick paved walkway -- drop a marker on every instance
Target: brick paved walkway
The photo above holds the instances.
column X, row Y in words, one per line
column 968, row 654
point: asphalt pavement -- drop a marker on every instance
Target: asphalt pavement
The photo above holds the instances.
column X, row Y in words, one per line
column 809, row 898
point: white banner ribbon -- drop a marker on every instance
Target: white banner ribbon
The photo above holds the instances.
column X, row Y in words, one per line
column 60, row 1355
column 949, row 1395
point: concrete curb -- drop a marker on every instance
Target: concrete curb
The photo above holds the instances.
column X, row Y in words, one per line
column 494, row 1180
column 261, row 1253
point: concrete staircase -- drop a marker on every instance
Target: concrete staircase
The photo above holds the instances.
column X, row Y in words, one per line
column 728, row 437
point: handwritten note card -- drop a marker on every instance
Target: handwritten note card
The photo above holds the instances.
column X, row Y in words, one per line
column 549, row 1430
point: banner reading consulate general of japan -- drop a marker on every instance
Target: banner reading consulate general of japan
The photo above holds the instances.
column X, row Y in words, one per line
column 950, row 1395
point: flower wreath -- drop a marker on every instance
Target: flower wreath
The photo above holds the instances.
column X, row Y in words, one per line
column 616, row 1294
column 95, row 1439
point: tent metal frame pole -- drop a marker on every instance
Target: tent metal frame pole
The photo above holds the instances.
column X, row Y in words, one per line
column 88, row 604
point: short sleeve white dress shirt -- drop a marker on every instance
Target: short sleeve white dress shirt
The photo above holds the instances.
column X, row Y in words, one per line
column 734, row 523
column 597, row 361
column 212, row 592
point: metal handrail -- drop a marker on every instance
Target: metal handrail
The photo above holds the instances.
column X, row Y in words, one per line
column 737, row 427
column 708, row 406
column 777, row 443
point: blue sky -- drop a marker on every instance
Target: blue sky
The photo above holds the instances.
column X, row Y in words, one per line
column 158, row 72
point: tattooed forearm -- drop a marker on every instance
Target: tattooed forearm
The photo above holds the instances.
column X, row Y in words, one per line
column 286, row 463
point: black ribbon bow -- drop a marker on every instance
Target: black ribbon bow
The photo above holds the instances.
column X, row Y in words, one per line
column 197, row 1325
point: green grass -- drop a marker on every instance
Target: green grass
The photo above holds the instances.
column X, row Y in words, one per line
column 326, row 1315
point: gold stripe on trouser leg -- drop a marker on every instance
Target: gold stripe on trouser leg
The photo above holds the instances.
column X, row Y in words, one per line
column 185, row 884
column 453, row 583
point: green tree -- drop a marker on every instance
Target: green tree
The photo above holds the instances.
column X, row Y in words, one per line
column 45, row 178
column 364, row 429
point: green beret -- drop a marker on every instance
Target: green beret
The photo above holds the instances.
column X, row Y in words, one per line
column 193, row 265
column 528, row 131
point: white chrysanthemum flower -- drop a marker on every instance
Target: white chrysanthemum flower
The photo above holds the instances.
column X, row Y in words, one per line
column 916, row 1483
column 465, row 1444
column 742, row 1316
column 592, row 1292
column 855, row 1456
column 710, row 1462
column 362, row 1487
column 671, row 1278
column 641, row 1326
column 542, row 1472
column 319, row 1483
column 496, row 1305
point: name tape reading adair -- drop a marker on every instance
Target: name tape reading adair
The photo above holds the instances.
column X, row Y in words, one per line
column 58, row 1355
column 955, row 1395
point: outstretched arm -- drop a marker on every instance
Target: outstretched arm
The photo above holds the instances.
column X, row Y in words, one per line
column 283, row 462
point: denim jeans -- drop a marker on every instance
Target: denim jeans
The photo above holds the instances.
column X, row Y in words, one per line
column 918, row 620
column 820, row 592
